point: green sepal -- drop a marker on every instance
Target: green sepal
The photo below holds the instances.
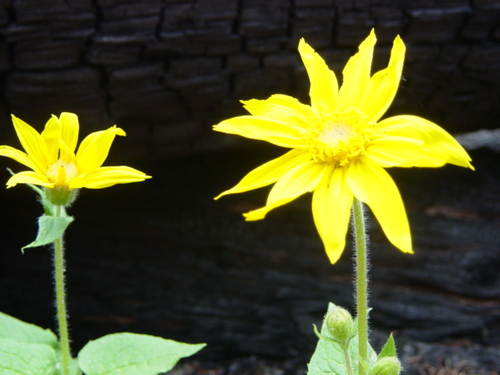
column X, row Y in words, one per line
column 50, row 228
column 328, row 357
column 131, row 354
column 58, row 196
column 321, row 337
column 389, row 349
column 21, row 358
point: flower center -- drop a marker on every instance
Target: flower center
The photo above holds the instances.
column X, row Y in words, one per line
column 61, row 172
column 340, row 137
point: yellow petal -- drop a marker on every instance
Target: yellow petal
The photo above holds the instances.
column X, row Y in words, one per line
column 52, row 135
column 70, row 128
column 261, row 213
column 269, row 172
column 297, row 181
column 108, row 176
column 324, row 86
column 305, row 177
column 262, row 128
column 388, row 151
column 384, row 84
column 19, row 156
column 357, row 74
column 372, row 185
column 29, row 177
column 33, row 143
column 331, row 205
column 438, row 147
column 65, row 153
column 94, row 149
column 61, row 137
column 282, row 108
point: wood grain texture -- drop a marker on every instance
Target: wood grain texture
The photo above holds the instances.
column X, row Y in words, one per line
column 168, row 70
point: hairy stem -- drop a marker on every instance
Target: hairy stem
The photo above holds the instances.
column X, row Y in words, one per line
column 60, row 290
column 361, row 270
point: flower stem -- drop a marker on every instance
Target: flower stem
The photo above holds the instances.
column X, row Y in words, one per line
column 347, row 358
column 60, row 290
column 361, row 269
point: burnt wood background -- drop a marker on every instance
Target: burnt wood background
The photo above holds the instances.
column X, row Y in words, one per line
column 168, row 70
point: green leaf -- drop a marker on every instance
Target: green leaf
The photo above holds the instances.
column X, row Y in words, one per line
column 50, row 228
column 329, row 358
column 132, row 354
column 20, row 358
column 22, row 332
column 389, row 349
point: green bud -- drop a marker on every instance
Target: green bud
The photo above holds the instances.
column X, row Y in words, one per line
column 386, row 366
column 340, row 324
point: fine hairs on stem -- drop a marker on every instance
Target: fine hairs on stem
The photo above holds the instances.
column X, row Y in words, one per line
column 361, row 281
column 366, row 228
column 60, row 292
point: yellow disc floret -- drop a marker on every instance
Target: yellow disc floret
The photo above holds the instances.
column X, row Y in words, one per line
column 340, row 137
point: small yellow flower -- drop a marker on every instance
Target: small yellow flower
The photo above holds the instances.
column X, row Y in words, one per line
column 51, row 156
column 340, row 148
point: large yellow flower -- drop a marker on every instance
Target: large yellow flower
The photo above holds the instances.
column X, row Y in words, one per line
column 51, row 156
column 340, row 148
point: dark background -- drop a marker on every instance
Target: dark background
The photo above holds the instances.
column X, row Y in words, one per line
column 161, row 257
column 168, row 70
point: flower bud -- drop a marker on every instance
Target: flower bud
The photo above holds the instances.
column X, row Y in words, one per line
column 340, row 324
column 386, row 366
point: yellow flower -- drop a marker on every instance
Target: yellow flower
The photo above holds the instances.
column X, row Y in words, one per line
column 51, row 156
column 339, row 148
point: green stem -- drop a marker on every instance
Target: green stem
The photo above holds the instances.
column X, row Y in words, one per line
column 60, row 289
column 361, row 282
column 347, row 358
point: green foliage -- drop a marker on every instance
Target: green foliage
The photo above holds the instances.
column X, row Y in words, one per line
column 387, row 360
column 20, row 358
column 334, row 357
column 330, row 356
column 26, row 349
column 389, row 349
column 50, row 228
column 15, row 329
column 132, row 354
